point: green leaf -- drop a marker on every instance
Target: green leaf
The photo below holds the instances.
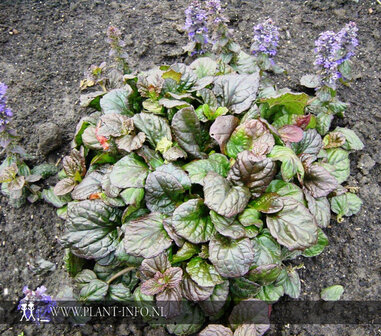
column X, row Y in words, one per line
column 293, row 102
column 204, row 66
column 50, row 197
column 130, row 143
column 318, row 248
column 236, row 92
column 246, row 64
column 84, row 277
column 323, row 122
column 198, row 169
column 215, row 303
column 250, row 217
column 151, row 157
column 222, row 197
column 291, row 164
column 154, row 127
column 191, row 221
column 164, row 187
column 73, row 264
column 120, row 292
column 286, row 189
column 232, row 258
column 267, row 203
column 310, row 81
column 187, row 130
column 186, row 252
column 228, row 227
column 193, row 292
column 191, row 318
column 265, row 274
column 294, row 226
column 270, row 293
column 252, row 135
column 320, row 208
column 203, row 273
column 352, row 142
column 253, row 172
column 129, row 172
column 91, row 229
column 244, row 288
column 95, row 290
column 346, row 204
column 292, row 285
column 266, row 250
column 332, row 293
column 146, row 236
column 339, row 159
column 44, row 170
column 116, row 101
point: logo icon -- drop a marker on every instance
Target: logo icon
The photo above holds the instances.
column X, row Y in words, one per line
column 36, row 306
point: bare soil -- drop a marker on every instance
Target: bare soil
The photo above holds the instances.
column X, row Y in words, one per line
column 45, row 46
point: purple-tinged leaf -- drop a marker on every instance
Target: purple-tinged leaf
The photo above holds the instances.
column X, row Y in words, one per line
column 170, row 301
column 252, row 171
column 333, row 140
column 130, row 142
column 311, row 143
column 222, row 128
column 194, row 292
column 216, row 330
column 149, row 267
column 294, row 226
column 64, row 186
column 318, row 181
column 291, row 133
column 222, row 197
column 302, row 121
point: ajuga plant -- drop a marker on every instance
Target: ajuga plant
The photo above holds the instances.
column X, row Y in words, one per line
column 194, row 185
column 16, row 178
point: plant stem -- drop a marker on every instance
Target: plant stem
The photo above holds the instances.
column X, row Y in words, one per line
column 120, row 273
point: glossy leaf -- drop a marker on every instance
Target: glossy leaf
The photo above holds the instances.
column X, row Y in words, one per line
column 191, row 221
column 320, row 208
column 222, row 197
column 203, row 273
column 164, row 186
column 95, row 290
column 129, row 172
column 154, row 127
column 291, row 164
column 91, row 229
column 294, row 226
column 228, row 227
column 339, row 159
column 198, row 169
column 318, row 248
column 216, row 330
column 311, row 143
column 318, row 181
column 194, row 292
column 346, row 204
column 232, row 258
column 353, row 142
column 293, row 102
column 236, row 92
column 222, row 128
column 253, row 172
column 215, row 303
column 146, row 236
column 187, row 130
column 116, row 101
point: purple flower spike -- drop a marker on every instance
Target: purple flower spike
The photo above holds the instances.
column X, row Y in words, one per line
column 196, row 23
column 265, row 40
column 5, row 112
column 332, row 49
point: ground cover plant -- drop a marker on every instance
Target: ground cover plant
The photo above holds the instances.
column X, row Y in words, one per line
column 204, row 178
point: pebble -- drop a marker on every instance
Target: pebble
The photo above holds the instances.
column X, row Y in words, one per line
column 366, row 163
column 49, row 137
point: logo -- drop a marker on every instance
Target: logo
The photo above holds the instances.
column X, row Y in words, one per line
column 36, row 306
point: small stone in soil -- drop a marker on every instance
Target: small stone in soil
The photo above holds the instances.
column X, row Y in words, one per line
column 49, row 137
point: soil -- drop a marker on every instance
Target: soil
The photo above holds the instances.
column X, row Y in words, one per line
column 45, row 46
